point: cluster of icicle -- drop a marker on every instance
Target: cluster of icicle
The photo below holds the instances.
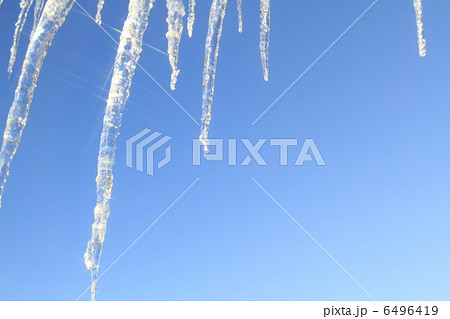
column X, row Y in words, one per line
column 175, row 15
column 48, row 18
column 25, row 6
column 216, row 17
column 420, row 39
column 130, row 47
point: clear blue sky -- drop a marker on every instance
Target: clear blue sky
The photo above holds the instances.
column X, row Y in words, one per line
column 377, row 111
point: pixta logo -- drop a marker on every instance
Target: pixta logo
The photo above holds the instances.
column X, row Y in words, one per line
column 144, row 141
column 307, row 152
column 143, row 150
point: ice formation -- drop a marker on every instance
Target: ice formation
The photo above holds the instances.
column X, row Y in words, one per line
column 98, row 17
column 215, row 26
column 25, row 6
column 239, row 9
column 50, row 15
column 420, row 39
column 128, row 54
column 175, row 14
column 53, row 16
column 264, row 33
column 191, row 17
column 38, row 7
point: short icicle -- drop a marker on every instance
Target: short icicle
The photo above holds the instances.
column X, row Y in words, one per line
column 127, row 57
column 420, row 39
column 175, row 14
column 239, row 9
column 53, row 17
column 191, row 18
column 215, row 26
column 264, row 33
column 98, row 17
column 25, row 6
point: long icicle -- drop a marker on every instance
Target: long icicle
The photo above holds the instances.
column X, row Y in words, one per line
column 420, row 39
column 191, row 18
column 215, row 26
column 53, row 17
column 128, row 54
column 98, row 17
column 239, row 9
column 264, row 34
column 25, row 6
column 38, row 7
column 175, row 14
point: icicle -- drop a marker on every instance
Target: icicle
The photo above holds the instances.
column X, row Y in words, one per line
column 98, row 17
column 264, row 33
column 1, row 1
column 175, row 14
column 53, row 17
column 128, row 54
column 420, row 39
column 191, row 17
column 25, row 6
column 239, row 9
column 216, row 17
column 38, row 6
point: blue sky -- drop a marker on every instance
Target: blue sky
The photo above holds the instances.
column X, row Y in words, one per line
column 377, row 112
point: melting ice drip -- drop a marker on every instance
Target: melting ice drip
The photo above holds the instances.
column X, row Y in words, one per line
column 420, row 39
